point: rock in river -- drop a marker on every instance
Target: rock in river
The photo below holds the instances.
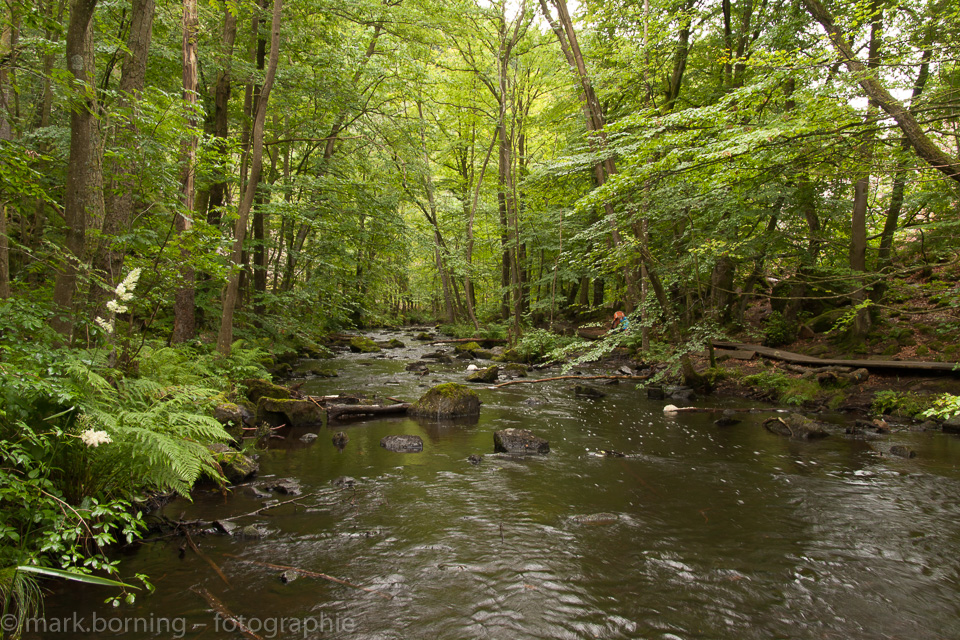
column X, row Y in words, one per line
column 236, row 467
column 796, row 426
column 484, row 375
column 448, row 400
column 519, row 441
column 586, row 391
column 402, row 444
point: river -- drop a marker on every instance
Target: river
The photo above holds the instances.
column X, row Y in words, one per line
column 711, row 532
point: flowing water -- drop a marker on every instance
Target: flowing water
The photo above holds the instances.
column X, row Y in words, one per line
column 708, row 532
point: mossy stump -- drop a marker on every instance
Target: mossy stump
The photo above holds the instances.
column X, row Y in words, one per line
column 450, row 400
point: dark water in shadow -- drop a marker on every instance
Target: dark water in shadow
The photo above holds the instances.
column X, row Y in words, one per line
column 714, row 532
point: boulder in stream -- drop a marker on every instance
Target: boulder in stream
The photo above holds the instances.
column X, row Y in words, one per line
column 519, row 441
column 307, row 438
column 293, row 413
column 236, row 466
column 450, row 400
column 360, row 344
column 288, row 486
column 796, row 426
column 487, row 375
column 392, row 343
column 402, row 444
column 902, row 451
column 259, row 388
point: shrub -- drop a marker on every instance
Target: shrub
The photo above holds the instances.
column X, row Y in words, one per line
column 778, row 331
column 903, row 404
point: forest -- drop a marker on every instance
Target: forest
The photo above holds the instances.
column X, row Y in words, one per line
column 191, row 188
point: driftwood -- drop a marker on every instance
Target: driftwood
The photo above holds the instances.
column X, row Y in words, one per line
column 312, row 574
column 872, row 365
column 616, row 377
column 340, row 411
column 671, row 409
column 469, row 340
column 223, row 612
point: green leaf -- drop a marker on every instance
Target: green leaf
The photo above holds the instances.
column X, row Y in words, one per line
column 77, row 577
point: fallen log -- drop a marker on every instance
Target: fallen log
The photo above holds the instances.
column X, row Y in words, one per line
column 612, row 377
column 312, row 574
column 339, row 411
column 225, row 613
column 669, row 409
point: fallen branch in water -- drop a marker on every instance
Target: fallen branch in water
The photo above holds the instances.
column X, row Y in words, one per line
column 269, row 506
column 672, row 409
column 312, row 574
column 617, row 377
column 223, row 612
column 338, row 411
column 206, row 558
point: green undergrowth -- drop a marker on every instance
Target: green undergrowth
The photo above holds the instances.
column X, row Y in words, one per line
column 906, row 404
column 83, row 444
column 792, row 391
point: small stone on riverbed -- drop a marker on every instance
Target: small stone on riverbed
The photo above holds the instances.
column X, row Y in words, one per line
column 307, row 438
column 288, row 486
column 402, row 444
column 289, row 576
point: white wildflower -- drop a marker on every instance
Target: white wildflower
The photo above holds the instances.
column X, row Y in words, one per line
column 128, row 285
column 93, row 438
column 104, row 324
column 116, row 307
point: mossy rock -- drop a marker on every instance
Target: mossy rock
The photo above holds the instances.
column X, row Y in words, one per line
column 484, row 354
column 424, row 336
column 484, row 375
column 951, row 349
column 510, row 355
column 825, row 321
column 317, row 369
column 259, row 388
column 936, row 345
column 923, row 350
column 293, row 413
column 891, row 350
column 235, row 466
column 515, row 369
column 393, row 343
column 310, row 348
column 467, row 347
column 450, row 400
column 359, row 344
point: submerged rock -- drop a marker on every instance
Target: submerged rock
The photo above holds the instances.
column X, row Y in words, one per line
column 903, row 451
column 729, row 418
column 450, row 400
column 485, row 375
column 596, row 518
column 519, row 441
column 340, row 439
column 475, row 458
column 585, row 391
column 344, row 481
column 402, row 444
column 796, row 426
column 289, row 576
column 655, row 393
column 236, row 467
column 307, row 438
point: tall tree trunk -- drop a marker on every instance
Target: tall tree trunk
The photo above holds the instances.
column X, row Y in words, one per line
column 891, row 221
column 83, row 198
column 858, row 232
column 120, row 201
column 184, row 325
column 593, row 113
column 221, row 128
column 225, row 337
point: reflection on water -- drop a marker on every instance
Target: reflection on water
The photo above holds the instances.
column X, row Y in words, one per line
column 712, row 533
